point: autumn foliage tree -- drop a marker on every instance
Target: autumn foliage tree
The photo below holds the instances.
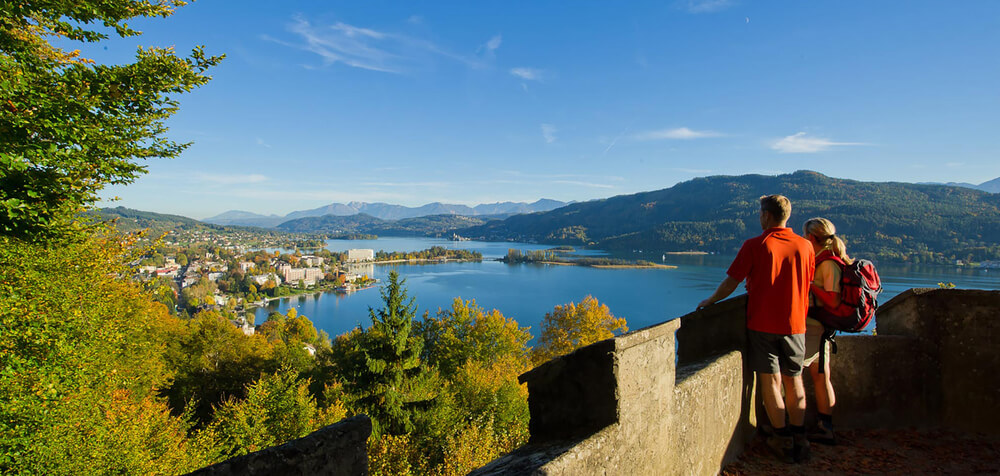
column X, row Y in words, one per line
column 480, row 354
column 213, row 361
column 82, row 357
column 571, row 326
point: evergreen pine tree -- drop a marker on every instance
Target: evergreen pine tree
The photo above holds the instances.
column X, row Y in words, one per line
column 391, row 382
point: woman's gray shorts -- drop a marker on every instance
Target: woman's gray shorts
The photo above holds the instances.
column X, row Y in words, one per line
column 771, row 353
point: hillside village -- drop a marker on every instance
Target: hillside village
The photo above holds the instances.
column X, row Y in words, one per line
column 234, row 282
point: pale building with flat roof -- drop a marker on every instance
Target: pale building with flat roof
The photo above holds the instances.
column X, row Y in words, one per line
column 355, row 256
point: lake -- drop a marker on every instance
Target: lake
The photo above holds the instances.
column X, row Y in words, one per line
column 525, row 292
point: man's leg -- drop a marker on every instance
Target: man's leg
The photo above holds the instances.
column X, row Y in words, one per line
column 795, row 394
column 795, row 399
column 773, row 403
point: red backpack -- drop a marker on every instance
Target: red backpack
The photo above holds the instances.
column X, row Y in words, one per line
column 859, row 289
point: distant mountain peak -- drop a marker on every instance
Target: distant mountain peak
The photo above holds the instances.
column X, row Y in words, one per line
column 385, row 211
column 989, row 186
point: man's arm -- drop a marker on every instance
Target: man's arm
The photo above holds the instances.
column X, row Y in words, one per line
column 726, row 288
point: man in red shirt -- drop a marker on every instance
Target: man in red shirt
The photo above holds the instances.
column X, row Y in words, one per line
column 778, row 266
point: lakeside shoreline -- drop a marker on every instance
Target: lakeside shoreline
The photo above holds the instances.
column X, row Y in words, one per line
column 604, row 266
column 424, row 260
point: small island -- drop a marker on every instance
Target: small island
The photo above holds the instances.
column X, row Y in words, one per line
column 434, row 254
column 515, row 256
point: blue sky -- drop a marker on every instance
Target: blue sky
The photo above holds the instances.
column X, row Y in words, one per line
column 474, row 102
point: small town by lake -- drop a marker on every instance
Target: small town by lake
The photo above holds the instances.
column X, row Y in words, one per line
column 525, row 292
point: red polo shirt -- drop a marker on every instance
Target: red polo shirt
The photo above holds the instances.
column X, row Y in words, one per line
column 778, row 266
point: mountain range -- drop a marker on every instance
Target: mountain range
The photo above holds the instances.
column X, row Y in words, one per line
column 884, row 220
column 429, row 225
column 889, row 220
column 991, row 186
column 385, row 211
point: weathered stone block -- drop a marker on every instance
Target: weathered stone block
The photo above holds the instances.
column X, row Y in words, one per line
column 573, row 395
column 340, row 449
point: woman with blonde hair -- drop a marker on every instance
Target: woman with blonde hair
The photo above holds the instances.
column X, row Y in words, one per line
column 831, row 257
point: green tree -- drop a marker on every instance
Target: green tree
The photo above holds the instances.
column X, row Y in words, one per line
column 381, row 365
column 571, row 326
column 277, row 408
column 289, row 335
column 214, row 361
column 69, row 126
column 200, row 293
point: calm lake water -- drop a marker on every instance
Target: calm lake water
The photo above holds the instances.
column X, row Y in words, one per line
column 526, row 292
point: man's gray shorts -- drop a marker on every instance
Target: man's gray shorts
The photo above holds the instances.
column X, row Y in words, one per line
column 771, row 353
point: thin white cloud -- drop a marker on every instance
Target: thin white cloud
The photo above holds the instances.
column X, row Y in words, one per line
column 549, row 133
column 680, row 133
column 406, row 184
column 583, row 184
column 692, row 171
column 494, row 43
column 801, row 143
column 524, row 177
column 615, row 140
column 230, row 179
column 261, row 143
column 326, row 195
column 529, row 74
column 707, row 6
column 415, row 20
column 954, row 164
column 365, row 48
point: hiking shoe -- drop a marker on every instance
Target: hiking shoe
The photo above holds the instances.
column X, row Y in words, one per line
column 800, row 449
column 781, row 447
column 823, row 434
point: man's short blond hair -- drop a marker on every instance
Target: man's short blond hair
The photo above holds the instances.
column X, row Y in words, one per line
column 778, row 206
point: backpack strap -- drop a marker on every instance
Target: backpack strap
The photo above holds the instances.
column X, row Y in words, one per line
column 828, row 336
column 827, row 255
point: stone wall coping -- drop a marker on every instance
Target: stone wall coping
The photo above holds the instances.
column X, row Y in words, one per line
column 901, row 297
column 554, row 366
column 337, row 449
column 639, row 336
column 905, row 295
column 630, row 339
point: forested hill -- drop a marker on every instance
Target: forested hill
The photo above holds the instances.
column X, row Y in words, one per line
column 128, row 219
column 892, row 221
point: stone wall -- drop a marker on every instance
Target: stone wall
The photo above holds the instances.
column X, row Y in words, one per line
column 932, row 364
column 339, row 449
column 676, row 398
column 667, row 410
column 644, row 403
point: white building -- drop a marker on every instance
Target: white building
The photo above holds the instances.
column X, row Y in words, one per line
column 294, row 275
column 355, row 256
column 262, row 279
column 310, row 260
